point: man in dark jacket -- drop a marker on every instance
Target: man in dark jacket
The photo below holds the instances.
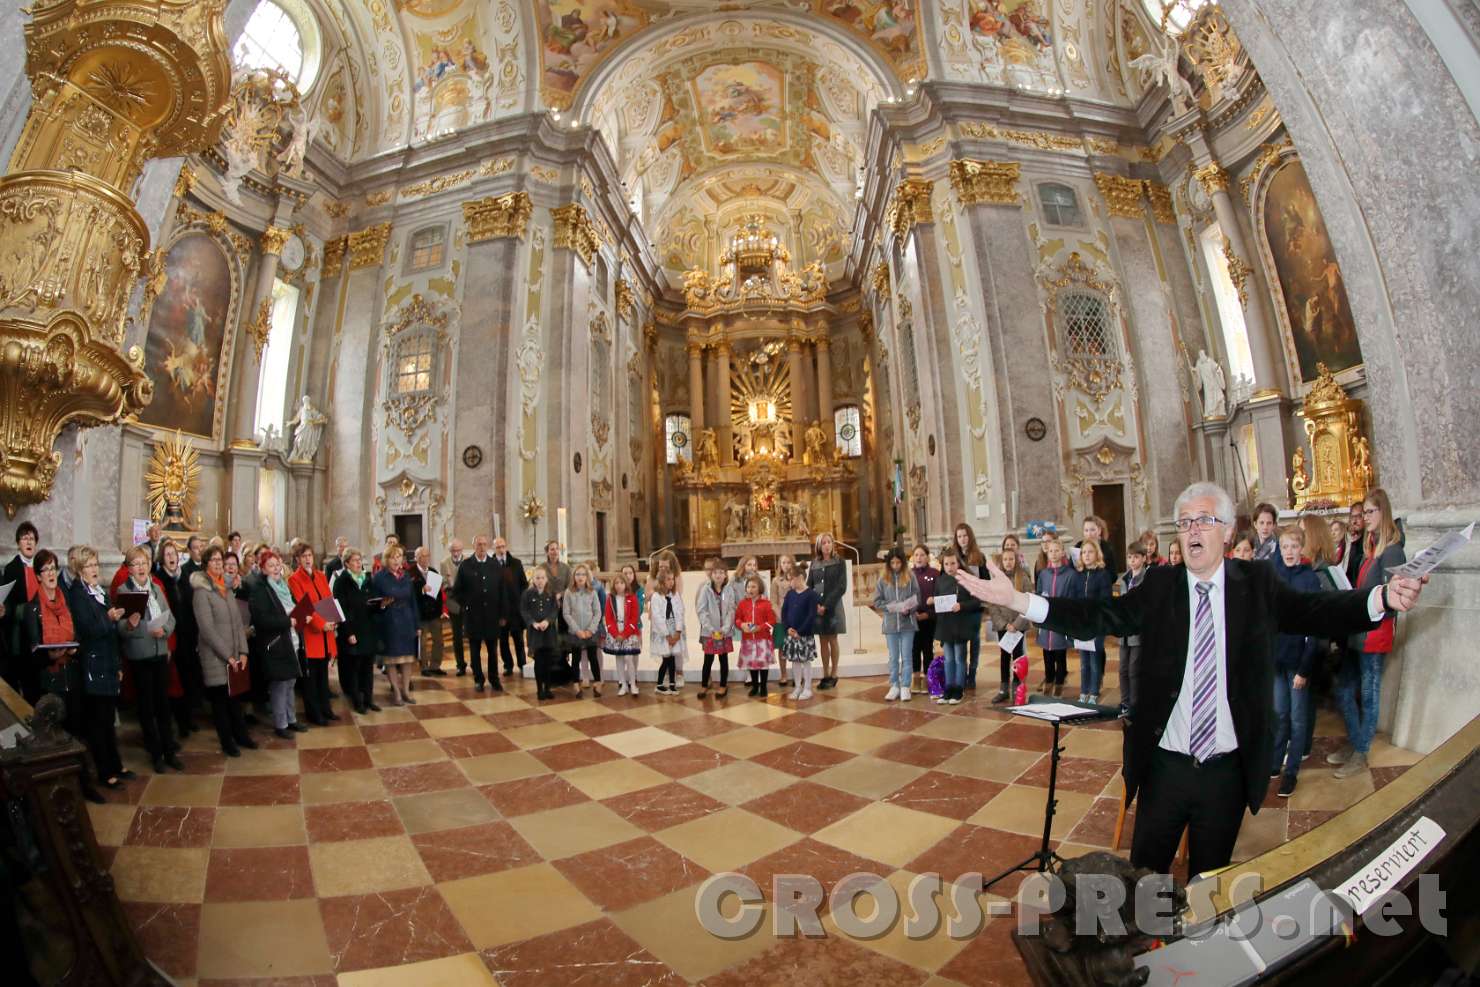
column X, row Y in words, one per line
column 476, row 589
column 20, row 575
column 1198, row 746
column 187, row 634
column 512, row 582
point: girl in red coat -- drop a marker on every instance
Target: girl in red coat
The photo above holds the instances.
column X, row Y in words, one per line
column 623, row 619
column 755, row 618
column 318, row 638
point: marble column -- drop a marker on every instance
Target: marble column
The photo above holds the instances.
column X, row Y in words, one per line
column 249, row 354
column 696, row 390
column 824, row 383
column 722, row 423
column 798, row 396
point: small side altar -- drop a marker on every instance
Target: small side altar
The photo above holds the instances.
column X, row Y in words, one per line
column 766, row 506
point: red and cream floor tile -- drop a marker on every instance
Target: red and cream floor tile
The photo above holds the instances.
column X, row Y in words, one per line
column 491, row 839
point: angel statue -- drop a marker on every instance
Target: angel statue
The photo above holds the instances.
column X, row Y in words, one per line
column 708, row 451
column 1299, row 478
column 1161, row 66
column 308, row 431
column 734, row 521
column 290, row 158
column 1210, row 381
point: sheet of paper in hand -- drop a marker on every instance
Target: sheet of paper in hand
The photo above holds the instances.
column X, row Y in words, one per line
column 946, row 603
column 1084, row 645
column 434, row 583
column 1429, row 559
column 1009, row 641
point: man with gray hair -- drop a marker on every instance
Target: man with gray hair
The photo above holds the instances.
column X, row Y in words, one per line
column 1198, row 742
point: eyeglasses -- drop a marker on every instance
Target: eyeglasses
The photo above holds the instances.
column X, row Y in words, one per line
column 1202, row 523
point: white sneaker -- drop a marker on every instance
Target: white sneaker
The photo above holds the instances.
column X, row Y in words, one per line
column 954, row 700
column 806, row 694
column 940, row 700
column 796, row 693
column 904, row 695
column 622, row 689
column 892, row 694
column 634, row 689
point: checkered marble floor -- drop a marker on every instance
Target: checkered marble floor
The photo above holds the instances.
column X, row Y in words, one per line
column 483, row 838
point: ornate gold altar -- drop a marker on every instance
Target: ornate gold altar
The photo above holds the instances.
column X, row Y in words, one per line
column 767, row 505
column 1340, row 469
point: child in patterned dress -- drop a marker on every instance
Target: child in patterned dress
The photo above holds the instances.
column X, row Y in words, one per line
column 799, row 614
column 755, row 618
column 714, row 605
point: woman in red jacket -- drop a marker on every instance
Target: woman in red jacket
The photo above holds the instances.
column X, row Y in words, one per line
column 318, row 638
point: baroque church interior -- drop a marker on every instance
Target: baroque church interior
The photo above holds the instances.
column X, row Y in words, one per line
column 673, row 280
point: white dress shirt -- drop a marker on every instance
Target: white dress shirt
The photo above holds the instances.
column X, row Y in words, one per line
column 1179, row 725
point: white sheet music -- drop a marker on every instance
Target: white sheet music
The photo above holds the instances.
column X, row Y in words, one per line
column 1051, row 711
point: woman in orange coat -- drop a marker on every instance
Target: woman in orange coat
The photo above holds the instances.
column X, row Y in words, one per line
column 318, row 637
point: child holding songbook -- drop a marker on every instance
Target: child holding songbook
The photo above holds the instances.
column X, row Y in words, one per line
column 623, row 618
column 1058, row 578
column 541, row 616
column 954, row 626
column 754, row 618
column 1096, row 583
column 715, row 606
column 799, row 614
column 665, row 631
column 1012, row 627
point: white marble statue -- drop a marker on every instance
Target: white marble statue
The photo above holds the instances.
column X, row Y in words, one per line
column 1161, row 66
column 308, row 431
column 735, row 521
column 1210, row 382
column 290, row 158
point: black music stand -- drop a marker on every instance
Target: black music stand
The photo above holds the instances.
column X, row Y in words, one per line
column 1040, row 860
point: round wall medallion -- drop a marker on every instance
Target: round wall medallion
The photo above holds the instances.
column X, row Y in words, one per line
column 578, row 462
column 1035, row 429
column 930, row 445
column 472, row 457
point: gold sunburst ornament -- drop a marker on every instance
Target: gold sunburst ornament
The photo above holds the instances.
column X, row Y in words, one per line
column 173, row 477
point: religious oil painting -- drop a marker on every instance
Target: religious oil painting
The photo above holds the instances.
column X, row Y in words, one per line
column 740, row 108
column 186, row 328
column 1010, row 22
column 1318, row 315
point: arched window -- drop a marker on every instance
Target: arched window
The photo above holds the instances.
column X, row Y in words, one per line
column 678, row 431
column 281, row 34
column 848, row 430
column 416, row 357
column 1086, row 326
column 1060, row 205
column 1173, row 16
column 272, row 380
column 427, row 250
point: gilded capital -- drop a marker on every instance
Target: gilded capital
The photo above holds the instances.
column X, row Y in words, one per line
column 881, row 280
column 1161, row 202
column 367, row 247
column 575, row 231
column 1121, row 195
column 496, row 217
column 626, row 300
column 273, row 239
column 695, row 349
column 334, row 256
column 1212, row 178
column 990, row 182
column 911, row 205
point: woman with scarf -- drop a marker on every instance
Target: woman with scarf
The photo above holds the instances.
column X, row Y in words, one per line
column 95, row 622
column 146, row 646
column 271, row 603
column 357, row 642
column 222, row 649
column 46, row 621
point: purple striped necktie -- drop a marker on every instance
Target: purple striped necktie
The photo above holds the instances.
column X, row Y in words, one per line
column 1204, row 678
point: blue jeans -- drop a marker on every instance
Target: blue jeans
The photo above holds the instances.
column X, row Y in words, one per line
column 955, row 655
column 900, row 644
column 1291, row 714
column 1091, row 670
column 1360, row 679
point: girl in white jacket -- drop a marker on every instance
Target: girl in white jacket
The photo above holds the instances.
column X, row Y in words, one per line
column 665, row 631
